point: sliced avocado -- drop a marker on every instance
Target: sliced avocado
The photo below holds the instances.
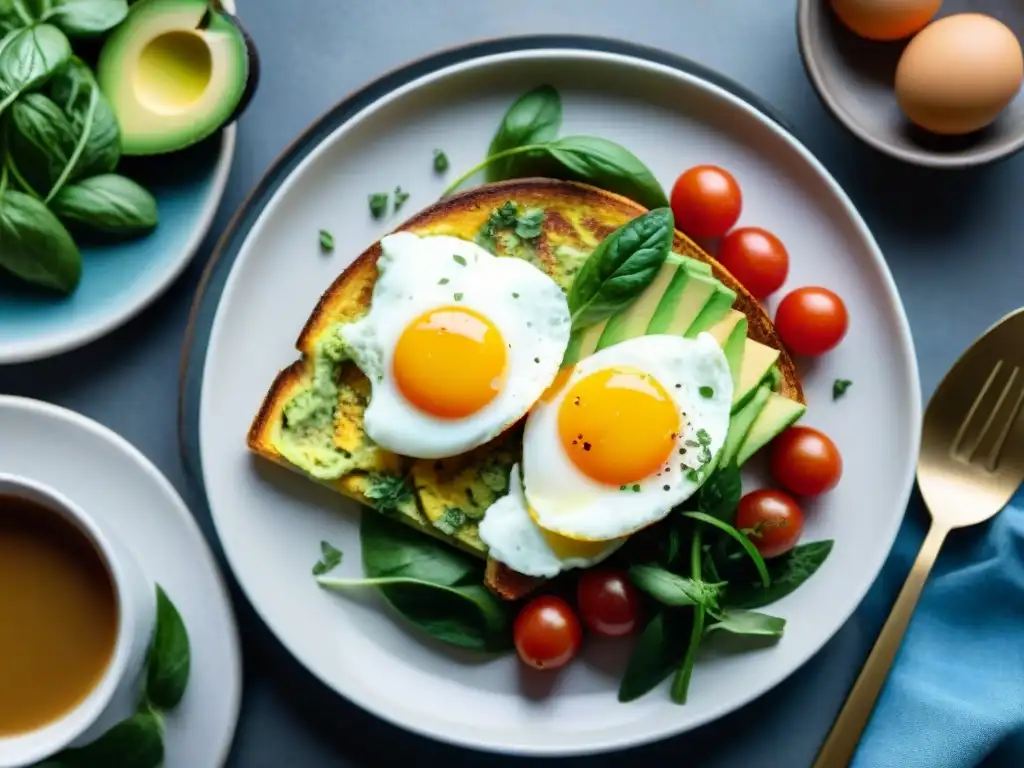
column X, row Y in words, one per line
column 724, row 327
column 686, row 296
column 716, row 308
column 174, row 72
column 778, row 414
column 695, row 266
column 742, row 421
column 584, row 343
column 632, row 321
column 775, row 378
column 757, row 362
column 734, row 348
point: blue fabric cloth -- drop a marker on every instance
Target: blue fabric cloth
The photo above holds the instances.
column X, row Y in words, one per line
column 955, row 695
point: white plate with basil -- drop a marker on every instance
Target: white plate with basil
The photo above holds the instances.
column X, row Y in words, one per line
column 192, row 682
column 317, row 207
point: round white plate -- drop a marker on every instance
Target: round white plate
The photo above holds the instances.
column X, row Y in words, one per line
column 270, row 521
column 110, row 479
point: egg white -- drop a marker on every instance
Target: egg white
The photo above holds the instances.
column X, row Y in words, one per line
column 417, row 274
column 565, row 501
column 513, row 538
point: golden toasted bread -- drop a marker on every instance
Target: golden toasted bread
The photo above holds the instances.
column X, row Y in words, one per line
column 446, row 498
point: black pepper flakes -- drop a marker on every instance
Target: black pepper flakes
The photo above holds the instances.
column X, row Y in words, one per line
column 666, row 487
column 536, row 359
column 586, row 446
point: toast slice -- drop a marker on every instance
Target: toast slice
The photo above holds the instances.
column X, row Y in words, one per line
column 446, row 498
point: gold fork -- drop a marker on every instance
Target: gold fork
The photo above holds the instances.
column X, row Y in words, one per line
column 972, row 461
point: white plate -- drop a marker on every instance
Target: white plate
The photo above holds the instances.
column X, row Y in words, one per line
column 271, row 521
column 108, row 477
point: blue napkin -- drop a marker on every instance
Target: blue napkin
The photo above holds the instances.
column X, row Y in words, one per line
column 955, row 695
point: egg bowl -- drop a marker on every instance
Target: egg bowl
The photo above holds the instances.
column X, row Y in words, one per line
column 854, row 78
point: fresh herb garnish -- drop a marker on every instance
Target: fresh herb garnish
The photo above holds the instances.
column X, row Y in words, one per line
column 515, row 295
column 506, row 217
column 460, row 260
column 440, row 161
column 742, row 540
column 787, row 572
column 536, row 116
column 443, row 281
column 530, row 223
column 839, row 387
column 707, row 392
column 400, row 198
column 326, row 241
column 330, row 558
column 673, row 590
column 621, row 268
column 378, row 204
column 457, row 296
column 748, row 623
column 451, row 521
column 387, row 492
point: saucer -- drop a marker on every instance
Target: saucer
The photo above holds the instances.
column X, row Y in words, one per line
column 116, row 484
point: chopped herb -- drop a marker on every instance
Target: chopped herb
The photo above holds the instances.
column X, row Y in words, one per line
column 707, row 392
column 326, row 240
column 452, row 520
column 440, row 161
column 515, row 295
column 530, row 223
column 330, row 558
column 458, row 297
column 378, row 204
column 839, row 387
column 527, row 225
column 691, row 444
column 460, row 260
column 400, row 198
column 443, row 281
column 386, row 491
column 622, row 487
column 536, row 359
column 636, row 488
column 703, row 437
column 693, row 476
column 505, row 216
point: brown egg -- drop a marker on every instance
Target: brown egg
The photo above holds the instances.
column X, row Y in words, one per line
column 959, row 73
column 885, row 19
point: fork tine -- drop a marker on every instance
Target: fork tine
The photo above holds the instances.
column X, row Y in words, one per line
column 997, row 448
column 955, row 448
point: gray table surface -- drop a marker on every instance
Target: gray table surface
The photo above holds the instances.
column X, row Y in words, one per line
column 950, row 240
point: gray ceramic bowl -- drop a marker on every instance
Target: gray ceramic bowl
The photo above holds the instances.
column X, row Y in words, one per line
column 854, row 78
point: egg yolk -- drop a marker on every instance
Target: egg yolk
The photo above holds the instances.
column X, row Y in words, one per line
column 618, row 425
column 450, row 362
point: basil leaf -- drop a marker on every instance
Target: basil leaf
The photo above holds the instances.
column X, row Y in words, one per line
column 743, row 541
column 720, row 495
column 35, row 246
column 748, row 623
column 87, row 18
column 534, row 117
column 41, row 141
column 75, row 90
column 671, row 589
column 659, row 650
column 28, row 57
column 787, row 572
column 610, row 166
column 170, row 656
column 137, row 742
column 107, row 203
column 621, row 267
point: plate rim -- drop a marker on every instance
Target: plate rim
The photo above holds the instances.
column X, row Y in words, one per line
column 184, row 516
column 479, row 55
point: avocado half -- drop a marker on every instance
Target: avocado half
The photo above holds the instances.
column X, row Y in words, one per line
column 174, row 72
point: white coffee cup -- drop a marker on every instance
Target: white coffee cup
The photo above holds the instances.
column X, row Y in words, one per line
column 117, row 694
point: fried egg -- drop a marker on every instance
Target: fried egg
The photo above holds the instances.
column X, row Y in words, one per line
column 457, row 345
column 514, row 539
column 626, row 435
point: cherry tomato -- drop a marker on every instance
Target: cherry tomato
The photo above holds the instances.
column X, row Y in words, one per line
column 756, row 258
column 706, row 201
column 811, row 320
column 805, row 461
column 608, row 602
column 547, row 633
column 773, row 520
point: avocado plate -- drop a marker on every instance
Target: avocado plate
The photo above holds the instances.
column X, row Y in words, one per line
column 116, row 158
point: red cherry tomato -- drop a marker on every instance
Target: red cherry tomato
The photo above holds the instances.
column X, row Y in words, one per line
column 756, row 258
column 811, row 320
column 773, row 520
column 706, row 201
column 547, row 633
column 608, row 602
column 805, row 461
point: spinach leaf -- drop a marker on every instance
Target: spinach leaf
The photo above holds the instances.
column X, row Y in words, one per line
column 787, row 572
column 170, row 657
column 720, row 495
column 433, row 586
column 107, row 203
column 75, row 90
column 659, row 650
column 34, row 245
column 671, row 589
column 610, row 166
column 743, row 541
column 29, row 56
column 681, row 681
column 621, row 267
column 533, row 118
column 137, row 742
column 40, row 140
column 87, row 18
column 748, row 623
column 330, row 558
